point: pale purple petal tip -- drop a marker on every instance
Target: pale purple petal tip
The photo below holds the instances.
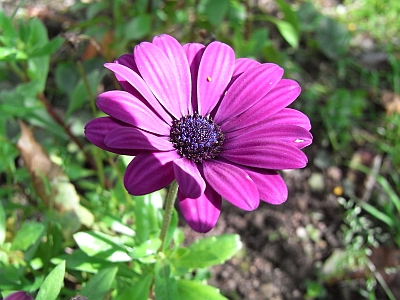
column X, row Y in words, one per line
column 203, row 212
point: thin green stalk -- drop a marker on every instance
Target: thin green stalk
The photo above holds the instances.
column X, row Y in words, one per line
column 169, row 207
column 82, row 73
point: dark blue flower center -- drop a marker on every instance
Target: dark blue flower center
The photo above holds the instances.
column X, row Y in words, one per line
column 196, row 137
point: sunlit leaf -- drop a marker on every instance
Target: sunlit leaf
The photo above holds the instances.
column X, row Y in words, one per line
column 194, row 290
column 98, row 243
column 208, row 251
column 287, row 30
column 27, row 235
column 52, row 284
column 147, row 216
column 146, row 248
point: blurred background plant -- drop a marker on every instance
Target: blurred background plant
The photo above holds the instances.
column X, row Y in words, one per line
column 68, row 226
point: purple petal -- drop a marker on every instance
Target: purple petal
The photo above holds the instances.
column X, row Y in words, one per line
column 124, row 74
column 232, row 183
column 96, row 131
column 180, row 66
column 284, row 93
column 134, row 138
column 242, row 65
column 159, row 74
column 247, row 90
column 215, row 72
column 194, row 52
column 290, row 116
column 149, row 172
column 191, row 183
column 127, row 108
column 20, row 295
column 128, row 60
column 265, row 134
column 276, row 156
column 270, row 185
column 201, row 213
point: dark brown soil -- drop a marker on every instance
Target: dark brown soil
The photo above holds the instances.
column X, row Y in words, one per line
column 283, row 245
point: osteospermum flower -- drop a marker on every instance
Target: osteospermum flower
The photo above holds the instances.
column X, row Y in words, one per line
column 216, row 124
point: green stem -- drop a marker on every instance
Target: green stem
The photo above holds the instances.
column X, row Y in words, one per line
column 92, row 97
column 169, row 207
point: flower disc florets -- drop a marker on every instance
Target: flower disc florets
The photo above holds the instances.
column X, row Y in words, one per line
column 196, row 137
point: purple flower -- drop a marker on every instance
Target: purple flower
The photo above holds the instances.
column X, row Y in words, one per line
column 20, row 295
column 216, row 124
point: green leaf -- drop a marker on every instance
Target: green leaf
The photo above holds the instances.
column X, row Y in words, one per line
column 208, row 252
column 147, row 248
column 194, row 290
column 38, row 69
column 48, row 48
column 52, row 284
column 332, row 38
column 287, row 30
column 80, row 94
column 37, row 34
column 28, row 235
column 2, row 225
column 80, row 261
column 376, row 213
column 215, row 11
column 12, row 54
column 67, row 77
column 98, row 286
column 165, row 285
column 99, row 244
column 7, row 29
column 139, row 290
column 138, row 28
column 289, row 15
column 148, row 218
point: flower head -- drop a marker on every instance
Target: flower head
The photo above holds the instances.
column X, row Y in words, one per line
column 216, row 124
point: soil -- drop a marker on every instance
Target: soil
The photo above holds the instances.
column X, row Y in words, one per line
column 283, row 245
